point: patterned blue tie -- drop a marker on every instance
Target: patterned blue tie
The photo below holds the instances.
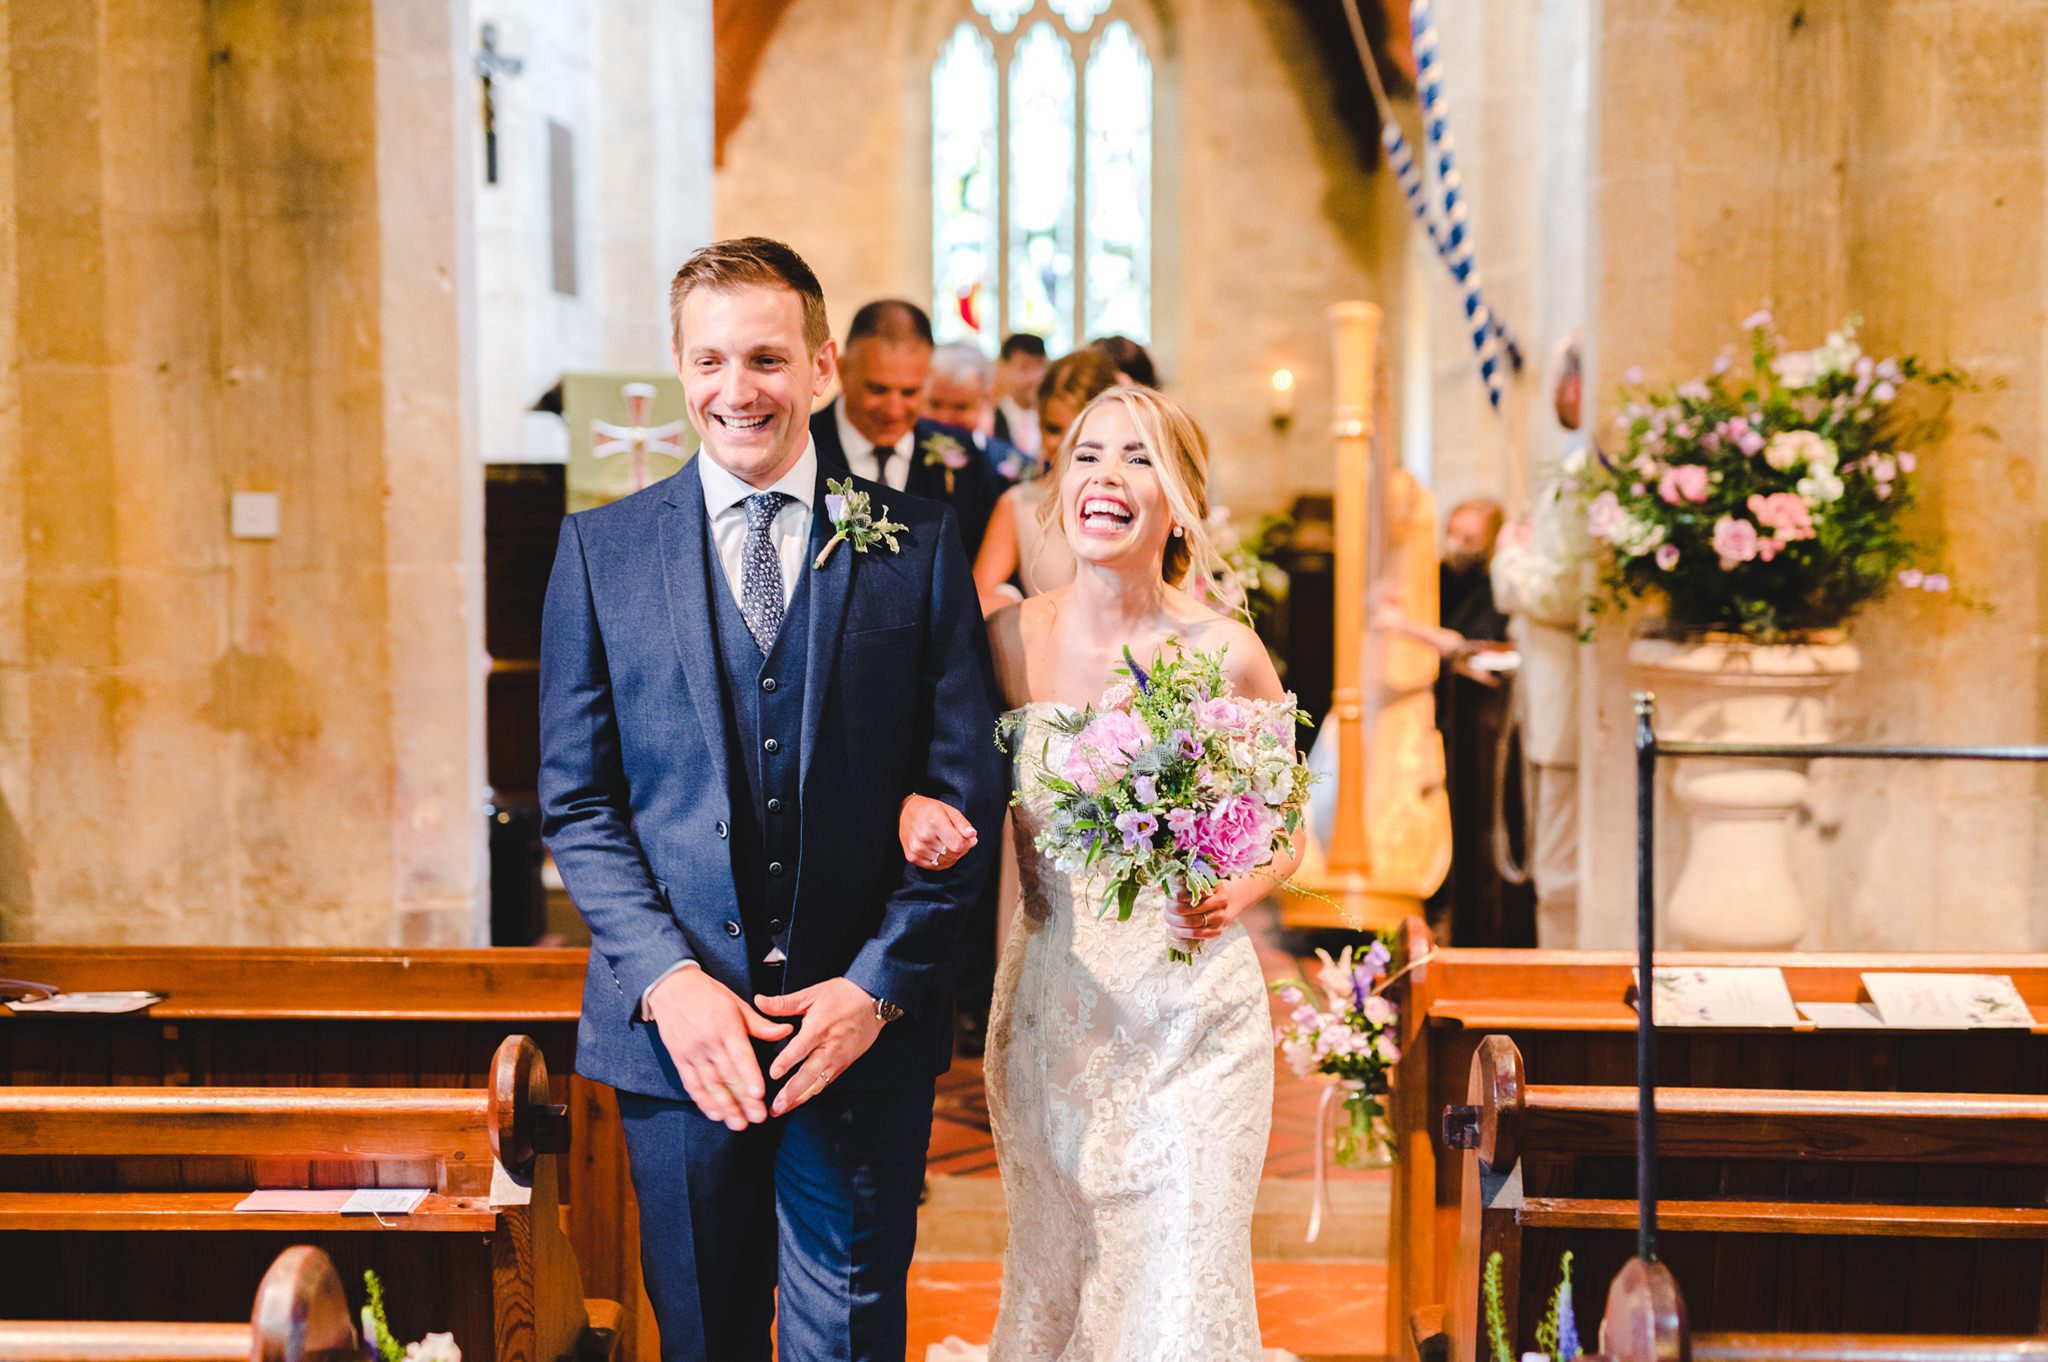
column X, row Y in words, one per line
column 761, row 571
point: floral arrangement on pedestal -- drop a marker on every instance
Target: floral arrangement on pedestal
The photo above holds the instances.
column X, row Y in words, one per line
column 1347, row 1035
column 1766, row 499
column 1251, row 585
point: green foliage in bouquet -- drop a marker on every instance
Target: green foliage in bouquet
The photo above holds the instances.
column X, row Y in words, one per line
column 1770, row 497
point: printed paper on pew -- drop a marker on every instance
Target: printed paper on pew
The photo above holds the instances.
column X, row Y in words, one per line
column 384, row 1201
column 1946, row 1002
column 1842, row 1016
column 1724, row 995
column 88, row 1002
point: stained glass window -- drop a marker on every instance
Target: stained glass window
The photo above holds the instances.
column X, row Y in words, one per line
column 1118, row 235
column 1042, row 220
column 1004, row 14
column 1080, row 13
column 1042, row 188
column 965, row 239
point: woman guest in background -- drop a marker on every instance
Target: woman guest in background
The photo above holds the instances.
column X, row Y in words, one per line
column 1130, row 1096
column 1018, row 556
column 1132, row 360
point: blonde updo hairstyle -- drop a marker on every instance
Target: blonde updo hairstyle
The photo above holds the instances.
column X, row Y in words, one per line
column 1180, row 454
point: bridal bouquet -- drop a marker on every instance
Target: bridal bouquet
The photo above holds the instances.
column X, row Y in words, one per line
column 1349, row 1036
column 1172, row 783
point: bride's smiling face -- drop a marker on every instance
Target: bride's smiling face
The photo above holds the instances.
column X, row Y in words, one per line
column 1112, row 504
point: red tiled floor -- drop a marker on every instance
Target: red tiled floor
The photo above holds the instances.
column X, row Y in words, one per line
column 960, row 1144
column 1313, row 1309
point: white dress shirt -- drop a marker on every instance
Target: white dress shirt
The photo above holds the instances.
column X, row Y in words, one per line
column 860, row 451
column 725, row 498
column 1023, row 424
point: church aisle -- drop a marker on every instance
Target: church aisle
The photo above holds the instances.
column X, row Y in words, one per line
column 1319, row 1311
column 1323, row 1302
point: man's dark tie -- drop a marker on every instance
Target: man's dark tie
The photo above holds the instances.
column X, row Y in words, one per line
column 883, row 453
column 761, row 570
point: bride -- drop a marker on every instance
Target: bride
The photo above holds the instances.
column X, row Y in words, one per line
column 1129, row 1096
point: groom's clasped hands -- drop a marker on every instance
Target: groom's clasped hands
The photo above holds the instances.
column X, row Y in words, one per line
column 707, row 1030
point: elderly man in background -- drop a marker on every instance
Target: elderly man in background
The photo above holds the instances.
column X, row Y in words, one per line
column 962, row 393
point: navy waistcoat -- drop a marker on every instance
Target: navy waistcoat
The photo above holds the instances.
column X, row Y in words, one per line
column 763, row 700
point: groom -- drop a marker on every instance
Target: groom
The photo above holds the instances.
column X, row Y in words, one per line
column 728, row 726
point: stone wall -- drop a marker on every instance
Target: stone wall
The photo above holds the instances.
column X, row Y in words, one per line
column 631, row 82
column 1262, row 215
column 234, row 262
column 1884, row 159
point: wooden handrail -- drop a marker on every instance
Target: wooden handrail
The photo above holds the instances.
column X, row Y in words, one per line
column 511, row 1119
column 1509, row 1116
column 301, row 1315
column 1646, row 1322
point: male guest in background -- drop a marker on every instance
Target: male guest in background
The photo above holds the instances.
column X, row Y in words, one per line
column 1020, row 368
column 874, row 428
column 962, row 393
column 735, row 699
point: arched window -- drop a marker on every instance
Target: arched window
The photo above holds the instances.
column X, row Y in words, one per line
column 1042, row 174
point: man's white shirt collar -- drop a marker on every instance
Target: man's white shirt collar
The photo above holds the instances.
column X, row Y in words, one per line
column 723, row 490
column 851, row 439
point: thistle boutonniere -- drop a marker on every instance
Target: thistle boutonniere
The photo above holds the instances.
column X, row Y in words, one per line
column 946, row 452
column 853, row 522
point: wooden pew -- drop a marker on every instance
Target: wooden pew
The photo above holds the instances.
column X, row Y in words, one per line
column 483, row 1256
column 1645, row 1321
column 301, row 1315
column 244, row 1016
column 1783, row 1209
column 1568, row 1013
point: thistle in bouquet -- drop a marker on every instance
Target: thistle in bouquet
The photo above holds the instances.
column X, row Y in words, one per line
column 1343, row 1028
column 1172, row 784
column 1768, row 496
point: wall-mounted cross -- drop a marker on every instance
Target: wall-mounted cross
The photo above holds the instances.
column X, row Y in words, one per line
column 490, row 64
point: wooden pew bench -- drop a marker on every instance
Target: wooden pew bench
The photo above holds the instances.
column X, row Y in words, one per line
column 286, row 1017
column 1645, row 1321
column 483, row 1256
column 301, row 1315
column 1781, row 1209
column 1569, row 1014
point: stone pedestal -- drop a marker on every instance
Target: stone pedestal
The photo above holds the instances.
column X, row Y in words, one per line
column 1735, row 890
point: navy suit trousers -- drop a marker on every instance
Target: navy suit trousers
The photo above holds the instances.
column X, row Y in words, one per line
column 821, row 1203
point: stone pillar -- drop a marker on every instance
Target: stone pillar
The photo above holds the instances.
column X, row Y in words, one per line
column 1883, row 159
column 234, row 240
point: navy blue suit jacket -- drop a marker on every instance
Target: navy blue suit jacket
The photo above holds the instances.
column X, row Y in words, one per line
column 975, row 487
column 636, row 782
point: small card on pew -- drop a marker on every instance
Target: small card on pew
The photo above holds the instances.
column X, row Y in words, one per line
column 1946, row 1002
column 1724, row 995
column 336, row 1200
column 87, row 1002
column 1842, row 1016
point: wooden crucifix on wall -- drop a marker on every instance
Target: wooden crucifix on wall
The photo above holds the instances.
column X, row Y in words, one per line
column 489, row 65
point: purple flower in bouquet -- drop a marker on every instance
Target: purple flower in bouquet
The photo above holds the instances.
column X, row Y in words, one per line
column 1187, row 744
column 1138, row 829
column 1146, row 789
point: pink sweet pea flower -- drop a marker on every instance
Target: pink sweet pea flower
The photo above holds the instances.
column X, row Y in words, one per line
column 1667, row 556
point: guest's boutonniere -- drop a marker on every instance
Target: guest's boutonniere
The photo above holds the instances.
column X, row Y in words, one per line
column 946, row 452
column 1016, row 468
column 853, row 522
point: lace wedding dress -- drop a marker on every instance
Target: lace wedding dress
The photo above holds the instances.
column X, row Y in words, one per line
column 1130, row 1098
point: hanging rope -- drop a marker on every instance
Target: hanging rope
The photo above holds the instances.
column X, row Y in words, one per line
column 1452, row 241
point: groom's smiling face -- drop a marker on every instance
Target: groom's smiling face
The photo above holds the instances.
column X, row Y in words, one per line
column 748, row 378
